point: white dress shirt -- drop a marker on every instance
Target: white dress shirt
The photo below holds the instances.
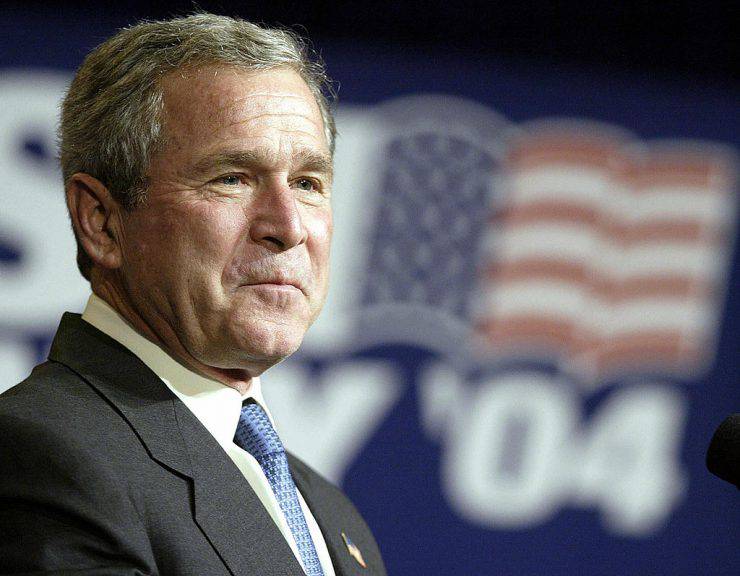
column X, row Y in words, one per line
column 217, row 406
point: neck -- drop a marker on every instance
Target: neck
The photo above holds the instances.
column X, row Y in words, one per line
column 160, row 333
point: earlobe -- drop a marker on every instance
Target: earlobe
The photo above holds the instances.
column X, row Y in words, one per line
column 93, row 211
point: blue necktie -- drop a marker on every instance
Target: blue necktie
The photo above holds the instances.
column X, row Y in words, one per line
column 256, row 435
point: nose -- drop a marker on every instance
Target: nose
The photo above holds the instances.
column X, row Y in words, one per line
column 277, row 223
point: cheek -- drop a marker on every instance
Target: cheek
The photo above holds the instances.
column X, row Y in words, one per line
column 147, row 239
column 319, row 234
column 319, row 230
column 214, row 242
column 216, row 235
column 195, row 237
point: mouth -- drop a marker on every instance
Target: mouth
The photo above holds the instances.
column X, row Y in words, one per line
column 275, row 284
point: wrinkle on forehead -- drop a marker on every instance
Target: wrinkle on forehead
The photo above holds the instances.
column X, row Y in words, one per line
column 291, row 120
column 290, row 111
column 236, row 91
column 226, row 101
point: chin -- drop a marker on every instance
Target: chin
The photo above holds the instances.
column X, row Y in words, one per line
column 268, row 344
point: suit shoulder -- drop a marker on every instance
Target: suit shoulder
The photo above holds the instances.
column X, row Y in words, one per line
column 55, row 406
column 48, row 378
column 64, row 487
column 52, row 391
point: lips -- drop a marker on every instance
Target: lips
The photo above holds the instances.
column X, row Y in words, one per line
column 276, row 281
column 274, row 271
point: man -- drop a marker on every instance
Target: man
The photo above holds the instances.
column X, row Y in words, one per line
column 197, row 158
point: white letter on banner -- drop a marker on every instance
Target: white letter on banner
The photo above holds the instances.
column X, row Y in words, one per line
column 630, row 458
column 442, row 394
column 17, row 358
column 326, row 420
column 45, row 282
column 503, row 466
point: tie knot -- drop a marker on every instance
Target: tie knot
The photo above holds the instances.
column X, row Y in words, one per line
column 255, row 433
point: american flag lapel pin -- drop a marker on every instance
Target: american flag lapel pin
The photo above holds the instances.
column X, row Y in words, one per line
column 353, row 550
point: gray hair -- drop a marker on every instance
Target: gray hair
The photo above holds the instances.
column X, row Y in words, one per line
column 112, row 116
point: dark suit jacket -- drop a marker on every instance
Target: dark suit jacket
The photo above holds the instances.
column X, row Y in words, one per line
column 104, row 471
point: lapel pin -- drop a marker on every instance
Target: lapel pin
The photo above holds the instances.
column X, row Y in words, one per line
column 353, row 550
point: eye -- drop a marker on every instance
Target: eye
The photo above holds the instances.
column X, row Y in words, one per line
column 306, row 184
column 229, row 180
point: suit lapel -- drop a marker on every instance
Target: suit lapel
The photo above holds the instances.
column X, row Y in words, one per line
column 225, row 507
column 122, row 379
column 228, row 510
column 325, row 513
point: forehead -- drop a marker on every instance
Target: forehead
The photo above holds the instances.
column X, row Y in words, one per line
column 222, row 101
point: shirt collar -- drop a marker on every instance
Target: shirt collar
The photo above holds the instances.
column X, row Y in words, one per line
column 216, row 405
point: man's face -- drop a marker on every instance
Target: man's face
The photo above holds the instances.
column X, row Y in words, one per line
column 230, row 251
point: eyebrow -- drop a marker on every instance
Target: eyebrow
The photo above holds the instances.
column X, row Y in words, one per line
column 302, row 159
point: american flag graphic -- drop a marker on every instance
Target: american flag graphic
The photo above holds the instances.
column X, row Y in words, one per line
column 439, row 161
column 608, row 256
column 353, row 550
column 436, row 190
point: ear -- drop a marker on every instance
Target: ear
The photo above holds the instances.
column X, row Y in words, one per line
column 95, row 217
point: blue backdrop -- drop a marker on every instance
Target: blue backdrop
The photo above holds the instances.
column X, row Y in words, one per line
column 532, row 332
